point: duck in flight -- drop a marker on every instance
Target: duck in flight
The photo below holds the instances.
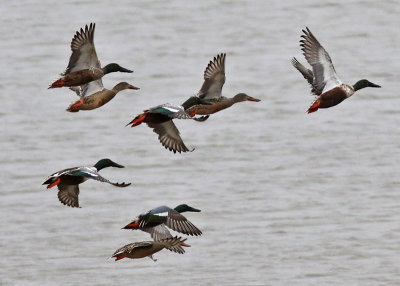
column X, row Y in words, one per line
column 325, row 83
column 84, row 72
column 84, row 66
column 211, row 90
column 148, row 248
column 95, row 95
column 157, row 220
column 68, row 180
column 160, row 117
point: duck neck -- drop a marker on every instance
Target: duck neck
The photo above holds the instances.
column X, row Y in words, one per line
column 118, row 88
column 348, row 90
column 100, row 165
column 360, row 85
column 228, row 101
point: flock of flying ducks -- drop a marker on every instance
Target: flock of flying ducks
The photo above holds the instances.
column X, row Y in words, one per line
column 83, row 76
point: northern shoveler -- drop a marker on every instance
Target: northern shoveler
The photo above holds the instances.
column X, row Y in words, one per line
column 156, row 220
column 95, row 95
column 148, row 248
column 214, row 79
column 84, row 66
column 160, row 118
column 323, row 79
column 68, row 180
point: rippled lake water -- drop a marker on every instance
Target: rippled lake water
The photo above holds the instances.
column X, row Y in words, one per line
column 287, row 198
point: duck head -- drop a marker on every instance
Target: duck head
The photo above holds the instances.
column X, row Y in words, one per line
column 185, row 208
column 364, row 83
column 244, row 97
column 124, row 85
column 104, row 163
column 113, row 67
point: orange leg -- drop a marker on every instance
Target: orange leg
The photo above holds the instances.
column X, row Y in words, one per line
column 193, row 113
column 77, row 104
column 55, row 183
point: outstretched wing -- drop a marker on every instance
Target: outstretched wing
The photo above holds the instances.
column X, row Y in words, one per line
column 307, row 74
column 179, row 223
column 88, row 88
column 129, row 248
column 63, row 172
column 174, row 244
column 68, row 195
column 161, row 210
column 169, row 136
column 92, row 174
column 170, row 110
column 325, row 77
column 83, row 51
column 214, row 78
column 158, row 232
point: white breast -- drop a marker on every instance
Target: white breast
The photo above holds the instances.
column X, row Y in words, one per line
column 349, row 90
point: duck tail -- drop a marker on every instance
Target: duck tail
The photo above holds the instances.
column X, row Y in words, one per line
column 58, row 83
column 119, row 256
column 314, row 106
column 132, row 225
column 71, row 108
column 52, row 182
column 137, row 120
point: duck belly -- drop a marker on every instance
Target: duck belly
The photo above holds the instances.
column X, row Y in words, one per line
column 95, row 101
column 143, row 252
column 213, row 108
column 332, row 97
column 82, row 77
column 72, row 180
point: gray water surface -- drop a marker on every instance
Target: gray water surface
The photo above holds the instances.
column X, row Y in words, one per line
column 287, row 198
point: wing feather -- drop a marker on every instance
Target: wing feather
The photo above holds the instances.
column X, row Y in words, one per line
column 325, row 77
column 170, row 110
column 174, row 244
column 83, row 51
column 92, row 174
column 129, row 248
column 68, row 195
column 169, row 136
column 179, row 223
column 308, row 75
column 158, row 232
column 214, row 78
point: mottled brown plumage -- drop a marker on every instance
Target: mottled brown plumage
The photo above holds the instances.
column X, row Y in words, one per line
column 218, row 104
column 99, row 98
column 84, row 66
column 148, row 248
column 211, row 90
